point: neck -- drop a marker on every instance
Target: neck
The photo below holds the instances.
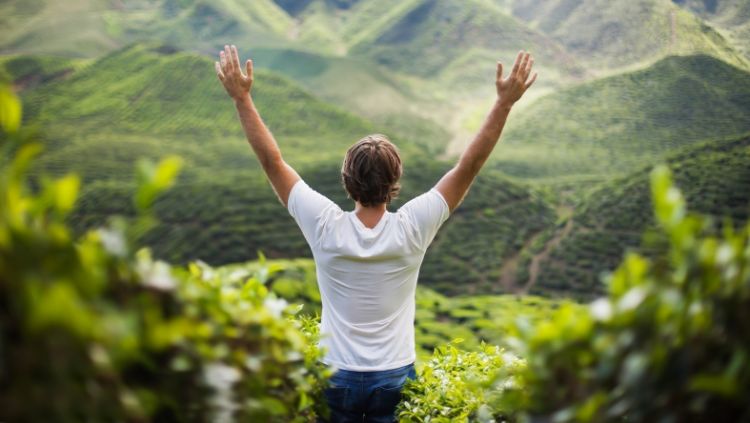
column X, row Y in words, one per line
column 369, row 215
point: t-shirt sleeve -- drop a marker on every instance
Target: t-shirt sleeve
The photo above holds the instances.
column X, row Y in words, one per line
column 426, row 213
column 310, row 210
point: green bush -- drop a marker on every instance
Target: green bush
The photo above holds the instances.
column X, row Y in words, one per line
column 670, row 342
column 452, row 386
column 91, row 330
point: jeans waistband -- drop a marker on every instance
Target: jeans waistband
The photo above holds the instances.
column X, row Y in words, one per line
column 351, row 374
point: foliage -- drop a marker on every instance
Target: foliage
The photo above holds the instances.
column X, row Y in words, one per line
column 668, row 343
column 476, row 319
column 612, row 219
column 616, row 125
column 452, row 386
column 92, row 330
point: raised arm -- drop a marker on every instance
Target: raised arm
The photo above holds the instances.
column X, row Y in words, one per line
column 238, row 86
column 455, row 184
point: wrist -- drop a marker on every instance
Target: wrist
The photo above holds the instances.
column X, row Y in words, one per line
column 503, row 104
column 243, row 99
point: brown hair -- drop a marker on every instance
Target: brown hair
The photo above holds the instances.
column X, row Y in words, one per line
column 371, row 170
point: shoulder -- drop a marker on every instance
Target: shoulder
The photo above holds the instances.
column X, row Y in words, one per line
column 430, row 203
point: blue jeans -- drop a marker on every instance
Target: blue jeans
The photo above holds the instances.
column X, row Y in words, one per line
column 366, row 396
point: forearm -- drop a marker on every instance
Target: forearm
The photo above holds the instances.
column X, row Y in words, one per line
column 238, row 85
column 455, row 184
column 477, row 152
column 258, row 135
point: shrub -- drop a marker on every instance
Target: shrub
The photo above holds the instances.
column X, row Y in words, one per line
column 670, row 342
column 91, row 330
column 454, row 386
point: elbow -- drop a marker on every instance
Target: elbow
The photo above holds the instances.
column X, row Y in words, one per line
column 469, row 167
column 271, row 162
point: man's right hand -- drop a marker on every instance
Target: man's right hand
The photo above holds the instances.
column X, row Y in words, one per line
column 228, row 70
column 512, row 88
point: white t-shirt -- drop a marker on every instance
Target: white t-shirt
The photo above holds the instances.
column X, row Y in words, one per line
column 367, row 277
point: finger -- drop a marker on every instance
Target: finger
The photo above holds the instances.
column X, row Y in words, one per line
column 228, row 58
column 524, row 64
column 223, row 59
column 529, row 65
column 219, row 73
column 249, row 68
column 235, row 57
column 499, row 70
column 531, row 81
column 517, row 64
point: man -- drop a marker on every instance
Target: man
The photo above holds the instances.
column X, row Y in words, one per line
column 368, row 259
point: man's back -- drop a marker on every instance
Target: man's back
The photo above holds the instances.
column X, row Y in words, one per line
column 367, row 276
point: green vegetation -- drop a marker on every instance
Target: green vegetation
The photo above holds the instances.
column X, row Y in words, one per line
column 451, row 41
column 466, row 320
column 668, row 342
column 222, row 210
column 731, row 16
column 715, row 178
column 134, row 338
column 86, row 28
column 93, row 330
column 623, row 33
column 618, row 124
column 452, row 386
column 166, row 97
column 420, row 68
column 226, row 221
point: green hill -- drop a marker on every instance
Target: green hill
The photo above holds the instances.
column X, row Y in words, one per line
column 715, row 178
column 91, row 27
column 732, row 16
column 454, row 41
column 151, row 100
column 606, row 33
column 363, row 88
column 617, row 124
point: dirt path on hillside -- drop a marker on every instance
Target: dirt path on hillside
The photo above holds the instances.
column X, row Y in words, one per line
column 536, row 261
column 510, row 266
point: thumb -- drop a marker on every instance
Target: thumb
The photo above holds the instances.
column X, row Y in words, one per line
column 499, row 70
column 249, row 68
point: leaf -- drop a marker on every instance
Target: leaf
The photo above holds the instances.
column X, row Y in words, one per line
column 152, row 180
column 669, row 204
column 66, row 192
column 10, row 110
column 166, row 173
